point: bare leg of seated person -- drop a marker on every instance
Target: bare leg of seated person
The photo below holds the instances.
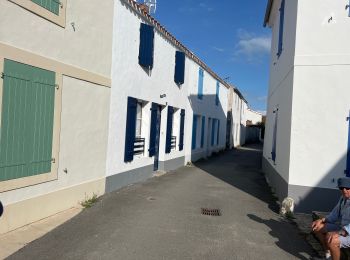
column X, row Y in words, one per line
column 333, row 243
column 322, row 237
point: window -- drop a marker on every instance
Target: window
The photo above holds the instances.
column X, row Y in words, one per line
column 274, row 137
column 200, row 83
column 27, row 121
column 134, row 143
column 182, row 127
column 203, row 131
column 217, row 93
column 194, row 132
column 146, row 48
column 169, row 130
column 52, row 10
column 138, row 119
column 280, row 34
column 179, row 76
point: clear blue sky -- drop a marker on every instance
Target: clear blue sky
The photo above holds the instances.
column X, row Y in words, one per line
column 228, row 35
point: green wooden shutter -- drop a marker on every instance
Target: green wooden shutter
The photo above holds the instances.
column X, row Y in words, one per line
column 51, row 5
column 26, row 121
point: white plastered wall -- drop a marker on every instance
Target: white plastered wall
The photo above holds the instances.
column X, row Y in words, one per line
column 84, row 105
column 207, row 107
column 130, row 79
column 88, row 45
column 321, row 94
column 280, row 92
column 253, row 116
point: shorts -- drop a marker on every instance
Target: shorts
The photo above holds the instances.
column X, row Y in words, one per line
column 344, row 241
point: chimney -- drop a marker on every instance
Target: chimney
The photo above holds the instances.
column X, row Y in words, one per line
column 144, row 8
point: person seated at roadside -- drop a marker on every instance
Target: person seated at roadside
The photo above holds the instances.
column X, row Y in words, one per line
column 333, row 230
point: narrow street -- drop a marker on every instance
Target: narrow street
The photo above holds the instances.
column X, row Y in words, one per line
column 161, row 218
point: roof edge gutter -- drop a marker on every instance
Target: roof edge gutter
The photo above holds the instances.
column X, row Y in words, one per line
column 268, row 12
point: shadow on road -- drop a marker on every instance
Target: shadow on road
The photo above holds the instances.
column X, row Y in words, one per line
column 241, row 168
column 280, row 229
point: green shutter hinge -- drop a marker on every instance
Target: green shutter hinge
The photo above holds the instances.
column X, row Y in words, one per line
column 57, row 86
column 53, row 160
column 2, row 75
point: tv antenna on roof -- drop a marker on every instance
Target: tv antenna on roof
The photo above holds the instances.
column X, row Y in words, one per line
column 152, row 5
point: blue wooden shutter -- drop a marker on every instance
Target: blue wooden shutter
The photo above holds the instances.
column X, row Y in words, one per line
column 280, row 34
column 169, row 129
column 274, row 137
column 217, row 93
column 182, row 128
column 130, row 130
column 200, row 83
column 347, row 171
column 51, row 5
column 153, row 132
column 213, row 131
column 194, row 132
column 202, row 133
column 218, row 133
column 27, row 117
column 179, row 76
column 146, row 46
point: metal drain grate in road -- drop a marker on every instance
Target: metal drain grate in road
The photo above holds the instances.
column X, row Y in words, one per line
column 211, row 212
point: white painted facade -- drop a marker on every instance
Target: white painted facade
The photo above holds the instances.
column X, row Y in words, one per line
column 308, row 85
column 253, row 116
column 82, row 75
column 96, row 64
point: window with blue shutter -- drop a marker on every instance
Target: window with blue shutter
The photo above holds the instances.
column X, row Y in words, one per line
column 347, row 171
column 182, row 129
column 146, row 49
column 200, row 83
column 218, row 133
column 169, row 129
column 27, row 119
column 274, row 137
column 194, row 132
column 213, row 131
column 130, row 129
column 179, row 76
column 203, row 131
column 51, row 5
column 280, row 33
column 217, row 93
column 153, row 132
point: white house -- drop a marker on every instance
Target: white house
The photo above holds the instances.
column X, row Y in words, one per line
column 54, row 130
column 90, row 104
column 307, row 128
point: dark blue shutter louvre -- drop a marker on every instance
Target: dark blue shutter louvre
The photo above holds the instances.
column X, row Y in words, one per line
column 182, row 127
column 169, row 129
column 200, row 83
column 153, row 132
column 213, row 131
column 146, row 46
column 179, row 76
column 194, row 132
column 217, row 93
column 280, row 35
column 218, row 134
column 130, row 130
column 202, row 134
column 347, row 171
column 274, row 137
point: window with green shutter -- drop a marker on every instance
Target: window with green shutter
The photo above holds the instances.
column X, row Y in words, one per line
column 51, row 5
column 27, row 116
